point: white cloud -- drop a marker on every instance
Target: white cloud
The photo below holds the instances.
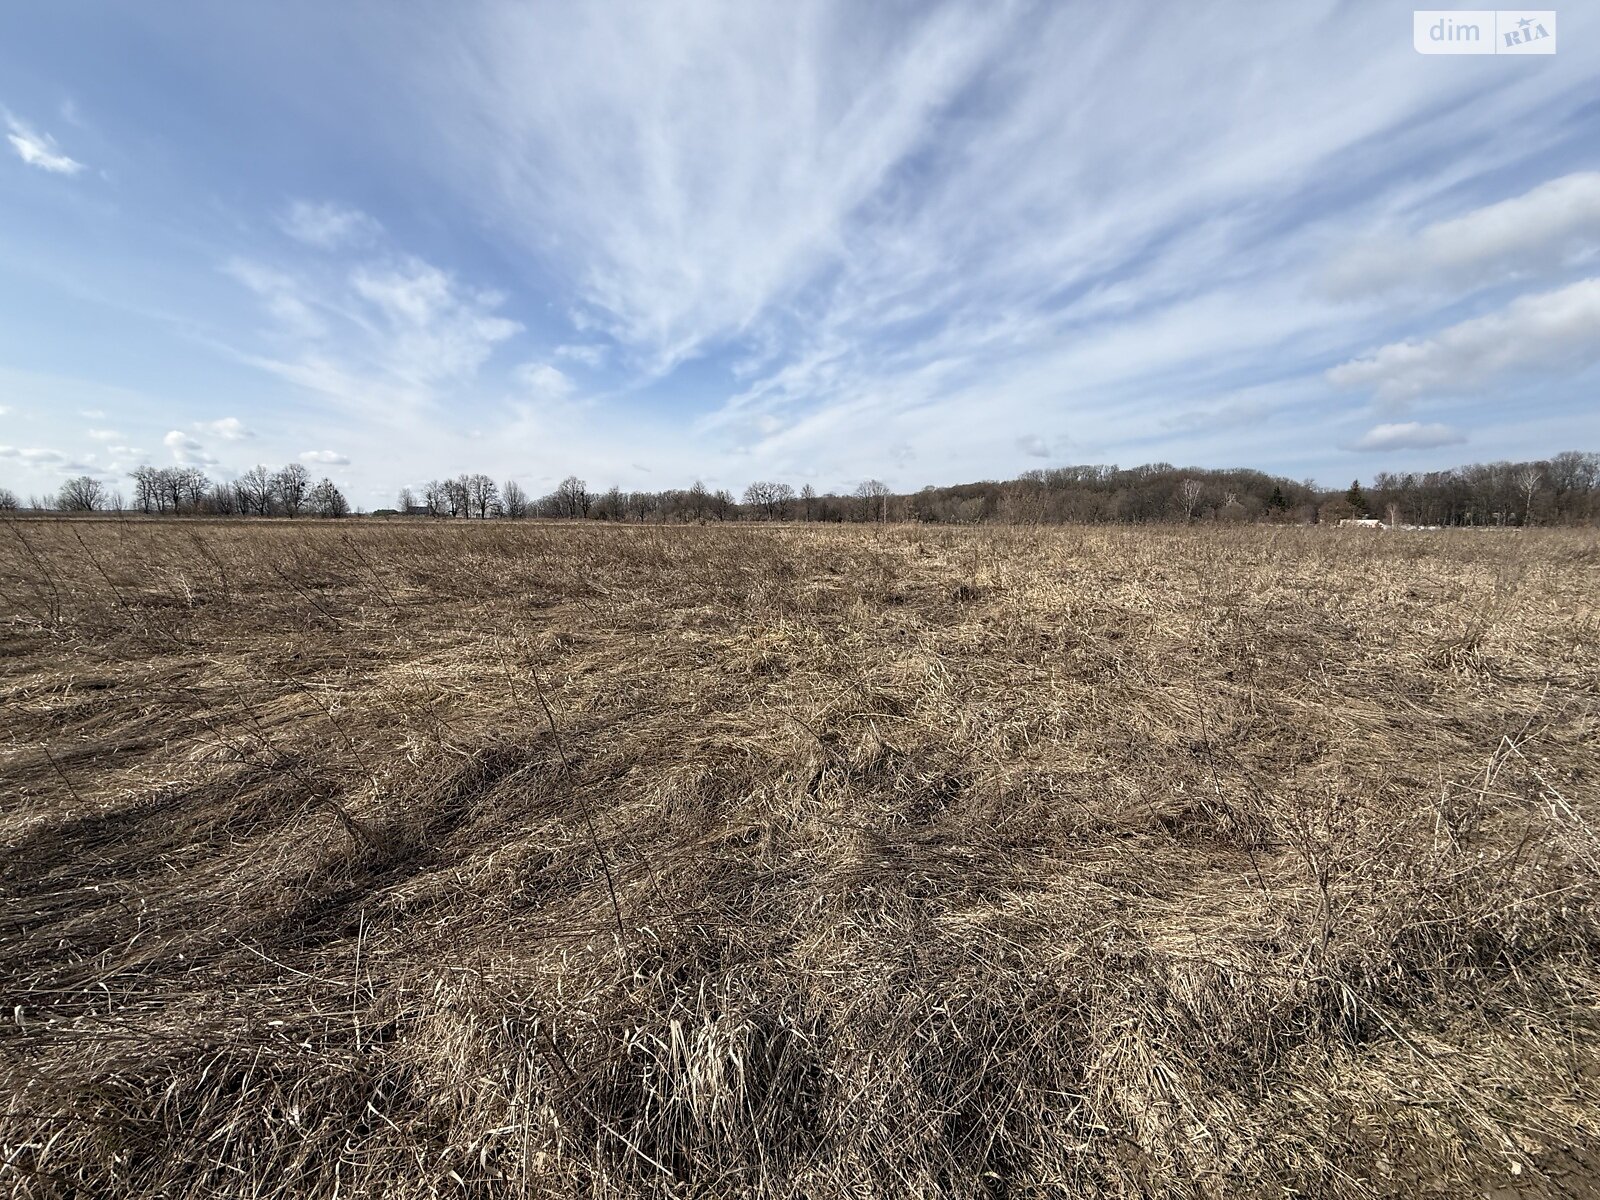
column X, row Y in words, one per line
column 1550, row 226
column 329, row 458
column 33, row 455
column 1556, row 330
column 39, row 149
column 230, row 429
column 589, row 355
column 948, row 231
column 383, row 339
column 904, row 220
column 186, row 451
column 328, row 226
column 287, row 300
column 104, row 435
column 541, row 381
column 1408, row 435
column 1034, row 446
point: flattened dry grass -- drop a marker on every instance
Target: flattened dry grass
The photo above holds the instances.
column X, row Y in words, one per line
column 443, row 859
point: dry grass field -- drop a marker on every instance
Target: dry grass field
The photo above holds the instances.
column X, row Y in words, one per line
column 403, row 860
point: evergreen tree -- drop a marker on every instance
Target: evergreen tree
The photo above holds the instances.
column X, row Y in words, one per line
column 1356, row 500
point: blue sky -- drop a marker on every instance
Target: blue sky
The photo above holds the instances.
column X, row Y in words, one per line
column 655, row 242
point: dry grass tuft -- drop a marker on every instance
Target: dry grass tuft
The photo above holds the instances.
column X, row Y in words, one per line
column 414, row 860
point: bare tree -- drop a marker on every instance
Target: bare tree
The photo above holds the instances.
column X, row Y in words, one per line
column 1530, row 480
column 292, row 482
column 808, row 497
column 696, row 500
column 326, row 500
column 146, row 488
column 485, row 495
column 8, row 500
column 407, row 499
column 571, row 497
column 255, row 491
column 482, row 493
column 435, row 496
column 458, row 496
column 762, row 497
column 514, row 499
column 722, row 503
column 193, row 487
column 82, row 493
column 1190, row 491
column 874, row 497
column 171, row 485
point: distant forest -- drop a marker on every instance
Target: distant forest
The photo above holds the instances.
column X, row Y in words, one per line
column 1562, row 490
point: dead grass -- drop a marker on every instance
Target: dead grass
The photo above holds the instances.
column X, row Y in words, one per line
column 972, row 862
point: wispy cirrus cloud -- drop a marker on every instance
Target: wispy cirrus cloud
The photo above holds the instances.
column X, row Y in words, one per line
column 39, row 149
column 328, row 226
column 586, row 354
column 383, row 338
column 32, row 455
column 833, row 241
column 901, row 218
column 1408, row 435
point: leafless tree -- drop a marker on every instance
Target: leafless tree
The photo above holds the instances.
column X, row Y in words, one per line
column 1530, row 480
column 761, row 496
column 435, row 496
column 696, row 500
column 1190, row 491
column 147, row 492
column 170, row 484
column 292, row 483
column 571, row 497
column 514, row 499
column 82, row 493
column 874, row 497
column 458, row 496
column 326, row 500
column 407, row 499
column 255, row 491
column 8, row 500
column 721, row 503
column 481, row 494
column 808, row 498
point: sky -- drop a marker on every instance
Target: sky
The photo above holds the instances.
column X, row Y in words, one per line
column 648, row 243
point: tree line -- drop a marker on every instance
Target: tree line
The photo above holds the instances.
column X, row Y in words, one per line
column 188, row 491
column 1561, row 490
